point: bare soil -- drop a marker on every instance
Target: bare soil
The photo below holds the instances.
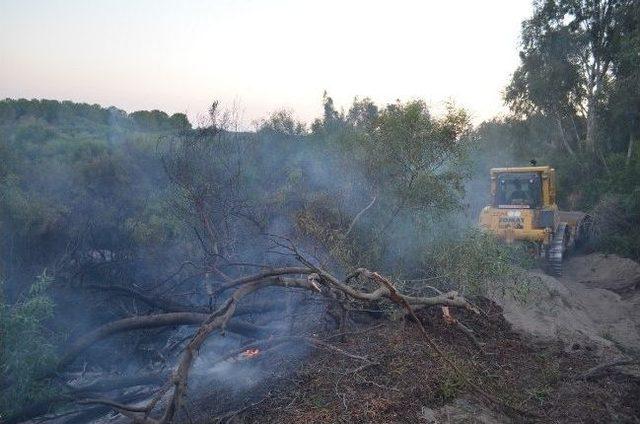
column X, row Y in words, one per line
column 596, row 305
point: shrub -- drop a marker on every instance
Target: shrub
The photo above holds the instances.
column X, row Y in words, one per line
column 473, row 260
column 26, row 347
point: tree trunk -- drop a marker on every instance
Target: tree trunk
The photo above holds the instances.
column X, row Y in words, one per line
column 629, row 149
column 565, row 143
column 576, row 136
column 590, row 140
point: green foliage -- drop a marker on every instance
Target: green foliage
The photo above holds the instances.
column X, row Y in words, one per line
column 550, row 78
column 281, row 123
column 405, row 163
column 27, row 347
column 579, row 73
column 156, row 120
column 74, row 118
column 473, row 261
column 418, row 156
column 616, row 226
column 83, row 176
column 451, row 384
column 449, row 388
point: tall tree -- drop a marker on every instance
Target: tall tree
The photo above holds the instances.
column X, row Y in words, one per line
column 566, row 62
column 624, row 103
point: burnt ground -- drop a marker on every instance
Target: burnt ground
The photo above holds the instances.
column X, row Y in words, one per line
column 408, row 383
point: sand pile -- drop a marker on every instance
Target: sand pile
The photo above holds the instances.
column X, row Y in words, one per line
column 595, row 305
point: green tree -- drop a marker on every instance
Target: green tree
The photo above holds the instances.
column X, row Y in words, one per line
column 394, row 172
column 282, row 123
column 566, row 59
column 624, row 100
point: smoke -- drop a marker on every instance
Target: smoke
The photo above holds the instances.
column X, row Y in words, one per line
column 156, row 211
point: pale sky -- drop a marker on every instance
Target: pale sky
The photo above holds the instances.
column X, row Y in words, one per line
column 261, row 55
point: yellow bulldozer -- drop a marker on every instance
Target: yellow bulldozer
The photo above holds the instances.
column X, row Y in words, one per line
column 523, row 209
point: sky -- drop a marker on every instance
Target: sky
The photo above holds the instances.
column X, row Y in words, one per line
column 259, row 56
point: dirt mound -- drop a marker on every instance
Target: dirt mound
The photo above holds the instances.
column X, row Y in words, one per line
column 594, row 306
column 608, row 272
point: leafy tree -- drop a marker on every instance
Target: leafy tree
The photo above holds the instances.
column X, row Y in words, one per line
column 623, row 111
column 363, row 113
column 281, row 123
column 566, row 59
column 405, row 169
column 331, row 121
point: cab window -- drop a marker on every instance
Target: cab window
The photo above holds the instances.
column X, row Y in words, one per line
column 518, row 190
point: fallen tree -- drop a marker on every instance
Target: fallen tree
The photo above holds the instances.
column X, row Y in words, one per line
column 169, row 397
column 317, row 280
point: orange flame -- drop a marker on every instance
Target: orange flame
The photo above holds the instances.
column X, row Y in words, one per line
column 250, row 353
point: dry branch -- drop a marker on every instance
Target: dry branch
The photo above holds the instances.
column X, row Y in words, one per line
column 318, row 280
column 136, row 413
column 604, row 369
column 357, row 217
column 107, row 384
column 146, row 322
column 262, row 276
column 154, row 302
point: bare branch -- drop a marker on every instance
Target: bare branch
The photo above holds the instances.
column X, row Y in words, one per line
column 145, row 322
column 261, row 276
column 355, row 219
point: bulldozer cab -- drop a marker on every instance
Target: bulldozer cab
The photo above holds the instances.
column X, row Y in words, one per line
column 523, row 208
column 530, row 187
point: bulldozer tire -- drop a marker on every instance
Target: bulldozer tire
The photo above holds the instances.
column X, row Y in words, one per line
column 557, row 250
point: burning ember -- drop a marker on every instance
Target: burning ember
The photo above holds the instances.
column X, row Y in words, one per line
column 250, row 353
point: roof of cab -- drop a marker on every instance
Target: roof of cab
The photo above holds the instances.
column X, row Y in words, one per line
column 545, row 168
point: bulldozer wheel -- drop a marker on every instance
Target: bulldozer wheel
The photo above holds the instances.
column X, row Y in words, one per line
column 557, row 249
